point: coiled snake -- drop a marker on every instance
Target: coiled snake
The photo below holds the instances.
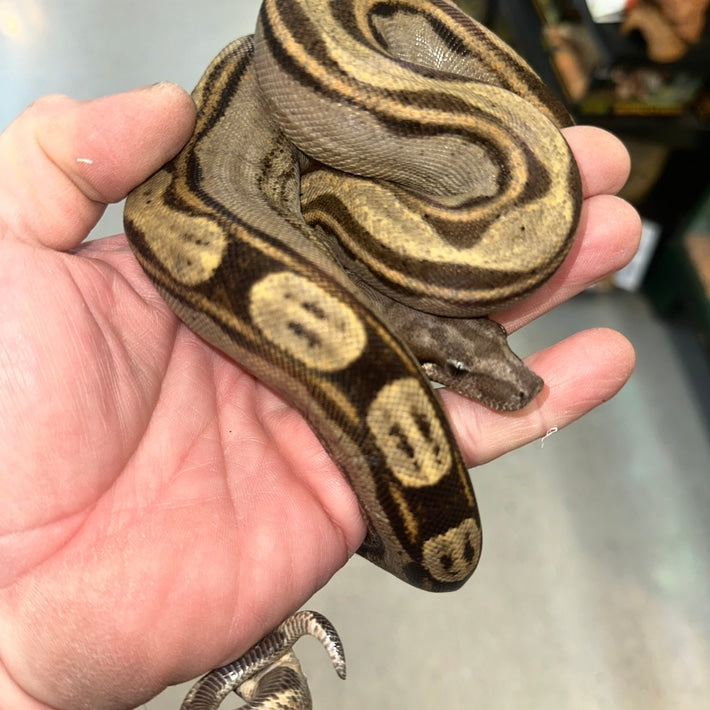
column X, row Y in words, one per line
column 366, row 180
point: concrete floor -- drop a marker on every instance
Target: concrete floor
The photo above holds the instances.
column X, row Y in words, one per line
column 594, row 588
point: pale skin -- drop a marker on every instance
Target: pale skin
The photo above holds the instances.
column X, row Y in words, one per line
column 155, row 521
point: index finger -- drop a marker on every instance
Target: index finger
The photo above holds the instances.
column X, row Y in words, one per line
column 602, row 159
column 608, row 233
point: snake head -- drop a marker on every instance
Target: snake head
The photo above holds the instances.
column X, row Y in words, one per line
column 472, row 357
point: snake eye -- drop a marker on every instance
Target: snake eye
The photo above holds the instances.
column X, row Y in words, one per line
column 456, row 368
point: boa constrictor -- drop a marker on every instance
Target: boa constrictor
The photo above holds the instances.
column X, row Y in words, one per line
column 367, row 179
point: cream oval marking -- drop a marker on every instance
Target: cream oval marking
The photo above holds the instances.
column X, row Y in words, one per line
column 409, row 433
column 190, row 255
column 314, row 327
column 449, row 556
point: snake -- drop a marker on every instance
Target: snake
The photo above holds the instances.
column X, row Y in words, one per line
column 366, row 183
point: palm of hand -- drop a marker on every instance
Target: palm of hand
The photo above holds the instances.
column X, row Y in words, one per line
column 149, row 462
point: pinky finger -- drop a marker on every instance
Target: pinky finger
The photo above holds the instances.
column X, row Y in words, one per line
column 580, row 373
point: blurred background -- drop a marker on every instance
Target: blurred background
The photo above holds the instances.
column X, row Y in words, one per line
column 594, row 587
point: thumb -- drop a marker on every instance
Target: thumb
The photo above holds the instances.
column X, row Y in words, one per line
column 64, row 160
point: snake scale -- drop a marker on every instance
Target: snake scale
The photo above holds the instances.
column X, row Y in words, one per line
column 366, row 182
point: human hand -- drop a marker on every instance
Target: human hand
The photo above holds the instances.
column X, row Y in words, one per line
column 155, row 521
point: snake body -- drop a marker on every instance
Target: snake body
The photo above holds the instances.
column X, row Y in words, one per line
column 366, row 180
column 269, row 675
